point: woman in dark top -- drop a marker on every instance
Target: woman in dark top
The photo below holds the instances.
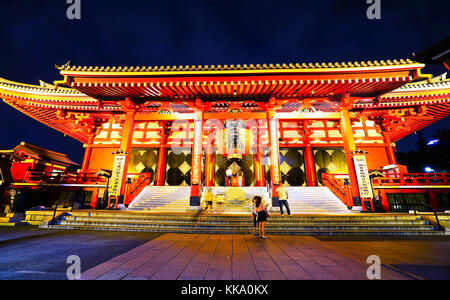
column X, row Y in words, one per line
column 261, row 211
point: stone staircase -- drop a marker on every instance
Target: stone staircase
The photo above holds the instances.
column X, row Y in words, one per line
column 314, row 199
column 162, row 199
column 238, row 200
column 169, row 199
column 12, row 219
column 332, row 224
column 31, row 217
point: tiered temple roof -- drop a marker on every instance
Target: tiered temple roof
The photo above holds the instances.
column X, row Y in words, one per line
column 378, row 89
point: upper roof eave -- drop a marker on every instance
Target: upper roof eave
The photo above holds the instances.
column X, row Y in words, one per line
column 343, row 67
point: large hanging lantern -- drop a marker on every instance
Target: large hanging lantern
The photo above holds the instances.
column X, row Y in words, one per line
column 236, row 138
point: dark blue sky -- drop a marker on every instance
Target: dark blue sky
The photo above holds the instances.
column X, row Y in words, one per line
column 34, row 35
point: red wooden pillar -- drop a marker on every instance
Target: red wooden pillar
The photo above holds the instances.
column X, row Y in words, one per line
column 209, row 166
column 259, row 162
column 389, row 149
column 433, row 199
column 275, row 174
column 162, row 157
column 87, row 154
column 349, row 148
column 197, row 153
column 309, row 159
column 125, row 146
column 94, row 198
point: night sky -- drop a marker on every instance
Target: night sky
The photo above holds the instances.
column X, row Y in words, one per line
column 36, row 35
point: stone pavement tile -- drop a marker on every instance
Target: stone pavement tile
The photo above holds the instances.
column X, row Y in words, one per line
column 199, row 264
column 308, row 252
column 148, row 250
column 244, row 272
column 316, row 271
column 148, row 269
column 157, row 262
column 151, row 253
column 208, row 248
column 218, row 275
column 242, row 258
column 167, row 273
column 114, row 274
column 194, row 271
column 173, row 268
column 297, row 255
column 324, row 261
column 98, row 270
column 357, row 268
column 294, row 272
column 337, row 257
column 124, row 257
column 265, row 265
column 346, row 274
column 135, row 263
column 135, row 278
column 271, row 275
column 218, row 263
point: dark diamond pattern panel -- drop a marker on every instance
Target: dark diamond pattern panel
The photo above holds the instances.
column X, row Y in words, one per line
column 292, row 166
column 178, row 168
column 329, row 161
column 143, row 160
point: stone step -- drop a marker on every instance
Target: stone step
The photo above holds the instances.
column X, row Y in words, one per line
column 269, row 226
column 248, row 231
column 126, row 214
column 282, row 222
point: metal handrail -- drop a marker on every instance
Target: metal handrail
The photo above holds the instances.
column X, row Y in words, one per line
column 435, row 215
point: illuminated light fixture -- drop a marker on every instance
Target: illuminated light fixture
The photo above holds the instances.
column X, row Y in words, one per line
column 429, row 170
column 433, row 142
column 359, row 151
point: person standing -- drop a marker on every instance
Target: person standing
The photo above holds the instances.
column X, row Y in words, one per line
column 208, row 198
column 261, row 217
column 283, row 198
column 240, row 178
column 255, row 216
column 220, row 199
column 229, row 173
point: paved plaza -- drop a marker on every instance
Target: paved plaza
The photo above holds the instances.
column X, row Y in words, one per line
column 244, row 257
column 33, row 253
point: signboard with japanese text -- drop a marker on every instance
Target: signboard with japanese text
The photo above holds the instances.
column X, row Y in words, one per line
column 362, row 175
column 116, row 176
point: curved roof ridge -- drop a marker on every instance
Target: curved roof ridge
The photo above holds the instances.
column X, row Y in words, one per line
column 266, row 66
column 435, row 82
column 38, row 88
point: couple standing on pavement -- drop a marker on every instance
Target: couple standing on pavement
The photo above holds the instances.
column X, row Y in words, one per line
column 260, row 213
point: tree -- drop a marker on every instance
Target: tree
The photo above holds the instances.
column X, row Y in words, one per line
column 435, row 156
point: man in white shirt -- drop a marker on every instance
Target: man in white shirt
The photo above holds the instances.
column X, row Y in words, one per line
column 283, row 197
column 229, row 173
